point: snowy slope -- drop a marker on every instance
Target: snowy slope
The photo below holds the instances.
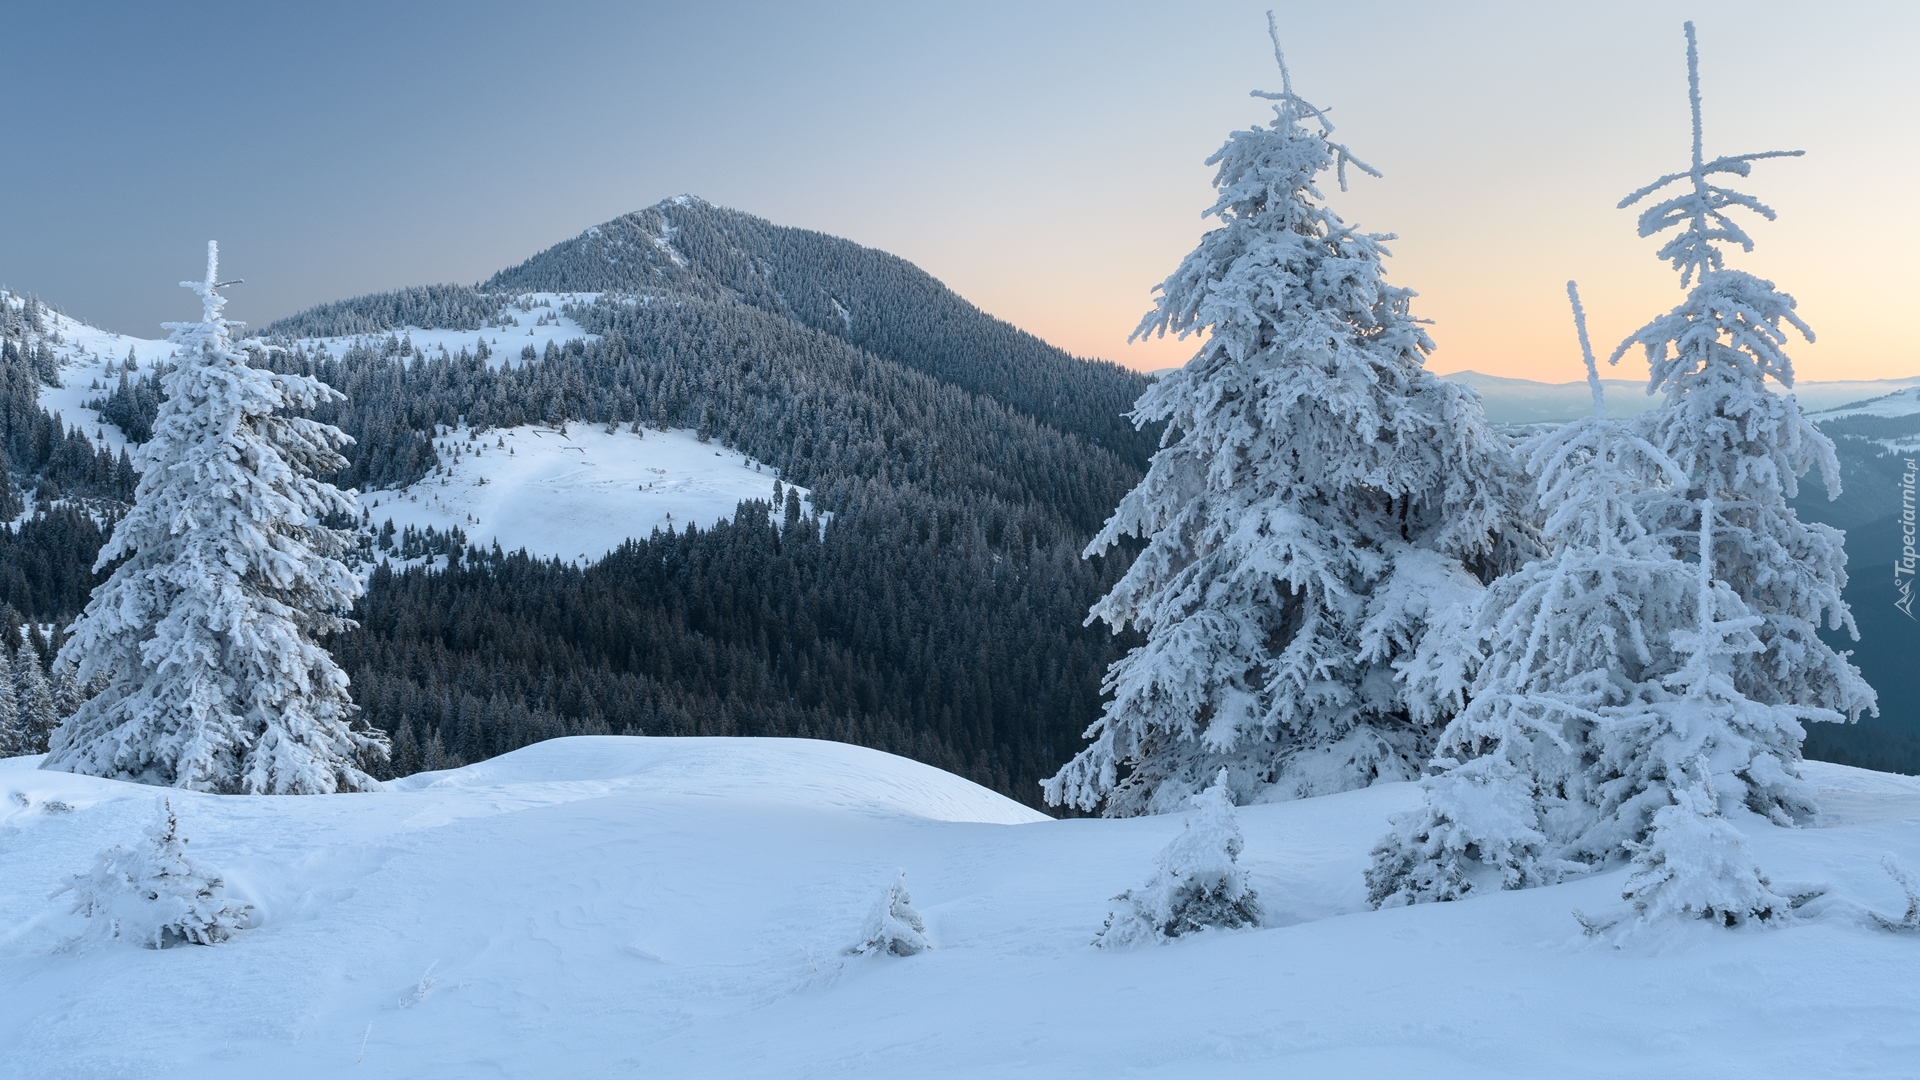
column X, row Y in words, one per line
column 84, row 353
column 576, row 495
column 536, row 320
column 679, row 908
column 1900, row 403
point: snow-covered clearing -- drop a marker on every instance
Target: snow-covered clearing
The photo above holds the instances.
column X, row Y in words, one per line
column 1900, row 403
column 576, row 495
column 539, row 320
column 679, row 908
column 84, row 353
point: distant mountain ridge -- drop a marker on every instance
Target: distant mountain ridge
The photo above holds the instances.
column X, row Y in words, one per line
column 1524, row 401
column 688, row 248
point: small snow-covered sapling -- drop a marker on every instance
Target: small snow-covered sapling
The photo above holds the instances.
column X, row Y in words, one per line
column 154, row 895
column 893, row 926
column 1198, row 881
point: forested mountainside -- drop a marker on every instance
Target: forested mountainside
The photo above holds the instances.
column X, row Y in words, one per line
column 1873, row 451
column 931, row 604
column 690, row 250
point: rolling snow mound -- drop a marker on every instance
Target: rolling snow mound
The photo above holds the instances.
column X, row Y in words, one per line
column 620, row 906
column 809, row 773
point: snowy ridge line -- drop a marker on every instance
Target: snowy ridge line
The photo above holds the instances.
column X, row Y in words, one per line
column 1905, row 402
column 1513, row 400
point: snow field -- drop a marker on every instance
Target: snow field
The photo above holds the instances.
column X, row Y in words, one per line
column 1900, row 403
column 680, row 908
column 574, row 496
column 505, row 343
column 84, row 352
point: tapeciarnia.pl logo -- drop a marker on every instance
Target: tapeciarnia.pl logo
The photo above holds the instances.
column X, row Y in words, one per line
column 1903, row 567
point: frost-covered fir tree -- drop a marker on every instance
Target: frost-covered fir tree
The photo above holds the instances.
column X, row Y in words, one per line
column 68, row 694
column 155, row 896
column 34, row 706
column 1559, row 644
column 205, row 631
column 893, row 927
column 1703, row 753
column 1319, row 501
column 1707, row 728
column 1742, row 446
column 13, row 736
column 1197, row 880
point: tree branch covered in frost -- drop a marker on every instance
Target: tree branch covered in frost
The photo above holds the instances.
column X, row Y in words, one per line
column 1198, row 881
column 205, row 631
column 1715, row 750
column 1318, row 503
column 1910, row 885
column 154, row 895
column 1695, row 865
column 1701, row 209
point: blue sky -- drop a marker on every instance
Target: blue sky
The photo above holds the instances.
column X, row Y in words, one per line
column 1043, row 159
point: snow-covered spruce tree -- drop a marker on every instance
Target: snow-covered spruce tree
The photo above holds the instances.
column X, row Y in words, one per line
column 13, row 736
column 205, row 632
column 68, row 694
column 1320, row 499
column 1742, row 446
column 153, row 895
column 1703, row 752
column 34, row 707
column 1707, row 729
column 1584, row 631
column 1197, row 881
column 893, row 927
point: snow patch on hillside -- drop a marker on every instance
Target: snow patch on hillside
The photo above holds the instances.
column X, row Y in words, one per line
column 682, row 908
column 1901, row 403
column 84, row 352
column 539, row 319
column 574, row 496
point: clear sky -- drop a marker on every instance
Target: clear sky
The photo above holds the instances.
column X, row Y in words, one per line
column 1043, row 159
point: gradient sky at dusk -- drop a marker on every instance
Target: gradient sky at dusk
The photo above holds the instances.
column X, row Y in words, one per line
column 1045, row 160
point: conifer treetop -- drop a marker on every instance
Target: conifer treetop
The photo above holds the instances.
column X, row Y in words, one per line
column 1700, row 209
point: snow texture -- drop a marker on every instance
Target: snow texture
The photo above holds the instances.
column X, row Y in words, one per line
column 678, row 908
column 205, row 631
column 1321, row 502
column 575, row 494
